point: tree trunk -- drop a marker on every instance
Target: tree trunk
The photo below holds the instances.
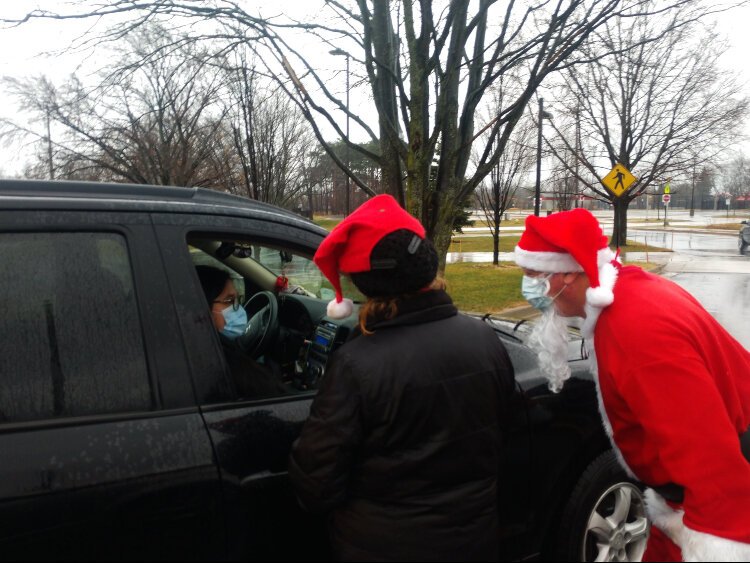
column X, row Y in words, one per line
column 441, row 238
column 620, row 226
column 496, row 217
column 384, row 92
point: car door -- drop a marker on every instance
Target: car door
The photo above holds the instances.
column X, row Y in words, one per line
column 252, row 437
column 103, row 452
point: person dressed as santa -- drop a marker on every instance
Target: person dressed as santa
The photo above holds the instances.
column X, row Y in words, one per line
column 674, row 386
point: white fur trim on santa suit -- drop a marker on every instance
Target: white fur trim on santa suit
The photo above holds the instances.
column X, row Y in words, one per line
column 597, row 299
column 594, row 369
column 340, row 310
column 695, row 546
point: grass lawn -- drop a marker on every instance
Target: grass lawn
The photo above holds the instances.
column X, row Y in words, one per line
column 326, row 223
column 484, row 288
column 503, row 223
column 725, row 226
column 483, row 243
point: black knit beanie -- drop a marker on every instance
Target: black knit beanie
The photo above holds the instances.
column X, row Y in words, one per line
column 400, row 262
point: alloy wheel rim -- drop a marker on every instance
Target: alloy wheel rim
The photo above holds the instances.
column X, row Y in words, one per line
column 617, row 528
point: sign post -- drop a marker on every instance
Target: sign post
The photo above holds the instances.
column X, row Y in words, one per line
column 665, row 199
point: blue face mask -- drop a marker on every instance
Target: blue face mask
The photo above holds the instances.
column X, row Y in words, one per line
column 235, row 322
column 535, row 291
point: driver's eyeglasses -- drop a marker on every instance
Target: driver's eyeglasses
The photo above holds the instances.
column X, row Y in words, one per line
column 235, row 301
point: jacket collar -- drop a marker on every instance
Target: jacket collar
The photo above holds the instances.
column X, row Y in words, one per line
column 422, row 308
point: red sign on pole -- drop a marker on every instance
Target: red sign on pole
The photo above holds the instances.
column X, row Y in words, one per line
column 665, row 198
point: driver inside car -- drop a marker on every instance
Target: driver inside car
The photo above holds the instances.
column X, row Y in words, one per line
column 252, row 379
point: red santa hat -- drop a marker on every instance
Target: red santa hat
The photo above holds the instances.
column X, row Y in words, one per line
column 348, row 247
column 570, row 241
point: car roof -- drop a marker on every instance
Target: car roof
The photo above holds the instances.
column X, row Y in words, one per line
column 74, row 195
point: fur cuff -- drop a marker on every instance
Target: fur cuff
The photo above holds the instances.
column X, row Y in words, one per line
column 695, row 546
column 340, row 310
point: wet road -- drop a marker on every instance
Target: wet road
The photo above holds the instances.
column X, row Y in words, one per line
column 710, row 267
column 695, row 244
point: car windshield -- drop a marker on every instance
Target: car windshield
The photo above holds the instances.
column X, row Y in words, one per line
column 254, row 260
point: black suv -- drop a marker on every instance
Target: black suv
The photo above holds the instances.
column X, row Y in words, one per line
column 125, row 434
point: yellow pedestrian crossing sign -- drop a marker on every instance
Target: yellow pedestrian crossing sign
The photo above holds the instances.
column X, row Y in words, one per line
column 667, row 189
column 618, row 180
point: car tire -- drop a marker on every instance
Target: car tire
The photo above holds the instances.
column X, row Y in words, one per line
column 605, row 516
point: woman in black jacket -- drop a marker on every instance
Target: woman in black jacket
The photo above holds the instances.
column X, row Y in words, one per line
column 404, row 439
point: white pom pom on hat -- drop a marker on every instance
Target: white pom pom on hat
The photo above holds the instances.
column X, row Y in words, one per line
column 340, row 309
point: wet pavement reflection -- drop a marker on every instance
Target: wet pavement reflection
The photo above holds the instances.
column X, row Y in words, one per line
column 726, row 296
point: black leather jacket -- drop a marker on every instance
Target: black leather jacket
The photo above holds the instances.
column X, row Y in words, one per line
column 404, row 438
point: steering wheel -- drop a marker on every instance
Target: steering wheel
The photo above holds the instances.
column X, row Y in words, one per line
column 262, row 325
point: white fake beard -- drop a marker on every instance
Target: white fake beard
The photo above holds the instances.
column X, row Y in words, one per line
column 550, row 338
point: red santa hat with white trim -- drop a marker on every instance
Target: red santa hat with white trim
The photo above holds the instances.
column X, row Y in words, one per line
column 383, row 248
column 570, row 241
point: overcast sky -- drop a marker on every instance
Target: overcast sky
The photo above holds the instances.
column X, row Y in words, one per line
column 23, row 49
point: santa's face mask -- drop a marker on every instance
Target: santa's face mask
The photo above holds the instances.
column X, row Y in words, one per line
column 535, row 289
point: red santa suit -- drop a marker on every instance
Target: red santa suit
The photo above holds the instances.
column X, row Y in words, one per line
column 676, row 392
column 674, row 389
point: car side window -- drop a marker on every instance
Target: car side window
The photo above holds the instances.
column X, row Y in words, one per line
column 268, row 356
column 70, row 336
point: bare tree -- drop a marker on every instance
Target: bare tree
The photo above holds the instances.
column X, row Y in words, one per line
column 428, row 65
column 564, row 188
column 177, row 119
column 508, row 174
column 734, row 178
column 651, row 105
column 148, row 122
column 269, row 135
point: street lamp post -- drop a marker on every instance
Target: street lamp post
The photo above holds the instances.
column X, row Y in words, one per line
column 537, row 190
column 342, row 53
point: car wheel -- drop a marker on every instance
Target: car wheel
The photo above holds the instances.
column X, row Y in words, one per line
column 605, row 517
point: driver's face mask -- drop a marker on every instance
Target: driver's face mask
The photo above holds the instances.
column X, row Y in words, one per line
column 535, row 291
column 235, row 322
